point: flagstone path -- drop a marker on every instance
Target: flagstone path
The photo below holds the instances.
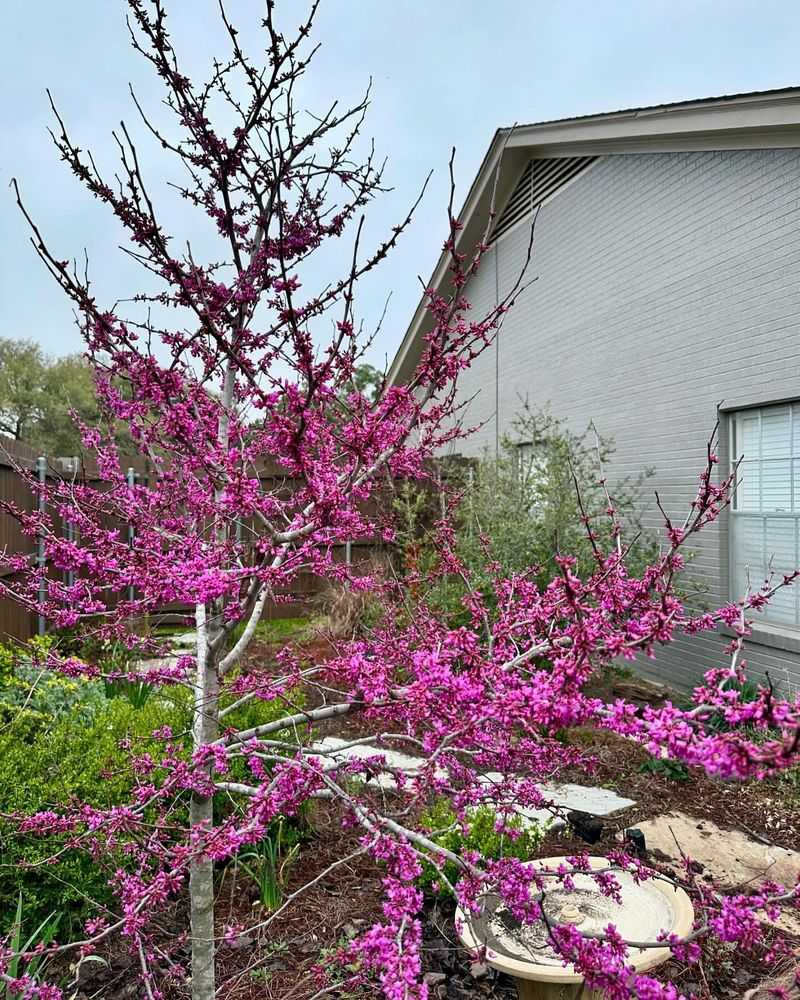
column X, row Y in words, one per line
column 565, row 796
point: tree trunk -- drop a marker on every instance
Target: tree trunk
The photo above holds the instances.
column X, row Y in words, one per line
column 205, row 730
column 201, row 815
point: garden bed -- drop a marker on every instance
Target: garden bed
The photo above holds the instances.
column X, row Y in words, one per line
column 290, row 960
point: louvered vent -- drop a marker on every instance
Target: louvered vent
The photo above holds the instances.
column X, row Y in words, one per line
column 539, row 180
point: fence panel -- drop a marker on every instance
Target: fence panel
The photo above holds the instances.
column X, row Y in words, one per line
column 18, row 623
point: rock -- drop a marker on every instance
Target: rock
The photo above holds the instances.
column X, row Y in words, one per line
column 641, row 691
column 479, row 970
column 589, row 828
column 186, row 640
column 729, row 859
column 434, row 978
column 584, row 798
column 597, row 801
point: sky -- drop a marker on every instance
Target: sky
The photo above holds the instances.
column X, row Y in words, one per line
column 445, row 73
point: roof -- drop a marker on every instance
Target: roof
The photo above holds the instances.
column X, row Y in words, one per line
column 756, row 120
column 695, row 102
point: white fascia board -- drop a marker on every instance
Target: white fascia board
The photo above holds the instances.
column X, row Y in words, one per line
column 769, row 117
column 479, row 193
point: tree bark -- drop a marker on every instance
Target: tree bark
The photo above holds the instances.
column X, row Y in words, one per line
column 205, row 730
column 201, row 818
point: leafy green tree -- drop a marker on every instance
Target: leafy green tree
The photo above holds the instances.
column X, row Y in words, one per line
column 22, row 366
column 529, row 503
column 69, row 386
column 368, row 381
column 38, row 395
column 523, row 508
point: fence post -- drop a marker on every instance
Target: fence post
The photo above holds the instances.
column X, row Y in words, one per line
column 41, row 469
column 131, row 532
column 68, row 525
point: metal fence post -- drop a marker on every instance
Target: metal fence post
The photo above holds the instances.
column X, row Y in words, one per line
column 41, row 469
column 131, row 532
column 69, row 526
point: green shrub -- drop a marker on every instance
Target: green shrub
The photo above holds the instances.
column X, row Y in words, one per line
column 33, row 697
column 524, row 504
column 60, row 741
column 44, row 767
column 257, row 712
column 748, row 692
column 479, row 834
column 673, row 770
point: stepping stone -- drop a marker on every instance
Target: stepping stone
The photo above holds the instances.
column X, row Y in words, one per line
column 586, row 798
column 154, row 664
column 598, row 801
column 180, row 645
column 185, row 641
column 731, row 858
column 338, row 750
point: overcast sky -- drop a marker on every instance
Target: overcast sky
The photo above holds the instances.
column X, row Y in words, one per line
column 446, row 73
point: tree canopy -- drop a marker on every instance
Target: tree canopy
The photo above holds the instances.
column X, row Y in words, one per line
column 39, row 394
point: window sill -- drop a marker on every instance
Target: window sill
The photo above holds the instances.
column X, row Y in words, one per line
column 768, row 634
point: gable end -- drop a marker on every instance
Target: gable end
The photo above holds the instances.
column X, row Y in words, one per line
column 539, row 180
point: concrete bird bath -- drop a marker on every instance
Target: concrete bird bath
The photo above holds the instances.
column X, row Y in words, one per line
column 524, row 953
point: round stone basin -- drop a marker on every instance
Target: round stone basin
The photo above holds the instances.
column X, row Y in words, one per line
column 524, row 952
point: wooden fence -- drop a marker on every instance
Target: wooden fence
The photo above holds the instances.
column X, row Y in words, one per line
column 18, row 623
column 15, row 621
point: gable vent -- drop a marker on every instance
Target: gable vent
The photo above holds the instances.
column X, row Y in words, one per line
column 539, row 180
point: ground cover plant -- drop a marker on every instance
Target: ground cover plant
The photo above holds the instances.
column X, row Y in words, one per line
column 245, row 362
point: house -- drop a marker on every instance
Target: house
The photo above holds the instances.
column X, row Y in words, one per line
column 667, row 258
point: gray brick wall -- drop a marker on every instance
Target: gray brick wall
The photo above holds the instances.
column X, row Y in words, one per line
column 666, row 284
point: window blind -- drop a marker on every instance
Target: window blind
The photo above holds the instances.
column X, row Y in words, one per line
column 765, row 516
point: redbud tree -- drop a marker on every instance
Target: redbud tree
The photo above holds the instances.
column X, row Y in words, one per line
column 245, row 358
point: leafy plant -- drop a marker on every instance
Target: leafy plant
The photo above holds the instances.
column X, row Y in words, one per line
column 42, row 936
column 268, row 862
column 33, row 697
column 522, row 509
column 516, row 838
column 674, row 770
column 748, row 692
column 47, row 766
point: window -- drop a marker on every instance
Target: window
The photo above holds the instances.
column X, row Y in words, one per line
column 765, row 514
column 525, row 459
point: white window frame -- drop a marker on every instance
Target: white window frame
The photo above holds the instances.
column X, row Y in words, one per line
column 764, row 618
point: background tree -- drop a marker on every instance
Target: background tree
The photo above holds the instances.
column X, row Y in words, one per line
column 21, row 380
column 38, row 395
column 368, row 381
column 523, row 509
